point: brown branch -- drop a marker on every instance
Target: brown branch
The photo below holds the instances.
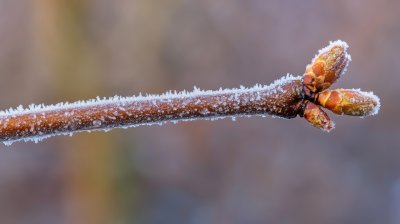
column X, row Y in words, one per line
column 288, row 97
column 282, row 100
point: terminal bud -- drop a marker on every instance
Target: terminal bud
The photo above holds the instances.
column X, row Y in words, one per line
column 327, row 66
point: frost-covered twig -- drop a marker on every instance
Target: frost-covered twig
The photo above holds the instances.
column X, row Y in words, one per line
column 38, row 122
column 287, row 97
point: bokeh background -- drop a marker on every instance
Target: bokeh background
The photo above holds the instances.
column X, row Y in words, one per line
column 254, row 170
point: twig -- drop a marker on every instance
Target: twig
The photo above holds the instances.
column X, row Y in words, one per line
column 288, row 97
column 279, row 99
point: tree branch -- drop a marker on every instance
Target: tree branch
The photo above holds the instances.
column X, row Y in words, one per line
column 281, row 99
column 287, row 97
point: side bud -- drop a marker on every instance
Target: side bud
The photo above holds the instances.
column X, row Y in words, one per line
column 317, row 117
column 327, row 66
column 350, row 102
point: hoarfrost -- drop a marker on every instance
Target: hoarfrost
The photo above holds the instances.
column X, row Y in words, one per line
column 119, row 101
column 372, row 96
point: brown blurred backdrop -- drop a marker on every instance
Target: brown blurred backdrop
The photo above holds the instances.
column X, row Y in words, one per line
column 254, row 170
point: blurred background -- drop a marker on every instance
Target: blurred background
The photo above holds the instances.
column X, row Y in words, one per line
column 254, row 170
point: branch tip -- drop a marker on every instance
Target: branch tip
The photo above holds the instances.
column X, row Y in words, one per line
column 287, row 97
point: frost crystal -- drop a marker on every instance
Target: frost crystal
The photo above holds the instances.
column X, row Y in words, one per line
column 331, row 45
column 372, row 96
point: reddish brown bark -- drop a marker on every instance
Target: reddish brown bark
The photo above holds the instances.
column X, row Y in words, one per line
column 282, row 101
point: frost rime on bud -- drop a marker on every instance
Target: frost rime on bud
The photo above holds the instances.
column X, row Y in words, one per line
column 350, row 102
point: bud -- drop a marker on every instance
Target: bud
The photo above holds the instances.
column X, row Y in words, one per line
column 327, row 66
column 350, row 102
column 317, row 117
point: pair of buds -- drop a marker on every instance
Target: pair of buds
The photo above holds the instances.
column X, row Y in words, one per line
column 328, row 66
